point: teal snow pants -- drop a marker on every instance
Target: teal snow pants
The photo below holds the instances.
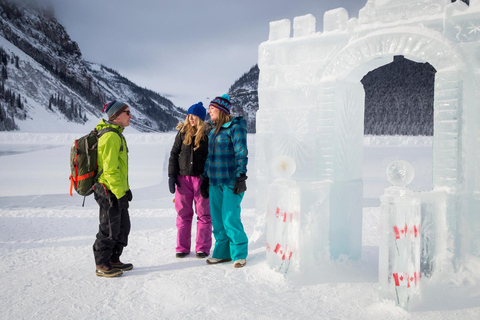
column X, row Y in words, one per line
column 231, row 241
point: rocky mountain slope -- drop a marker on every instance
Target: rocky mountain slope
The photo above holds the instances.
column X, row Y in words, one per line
column 44, row 79
column 244, row 97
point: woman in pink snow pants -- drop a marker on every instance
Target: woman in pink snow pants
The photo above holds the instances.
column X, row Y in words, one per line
column 187, row 159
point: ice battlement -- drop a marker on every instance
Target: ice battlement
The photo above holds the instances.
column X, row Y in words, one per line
column 374, row 14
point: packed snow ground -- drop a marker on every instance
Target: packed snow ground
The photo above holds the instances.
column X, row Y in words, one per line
column 47, row 264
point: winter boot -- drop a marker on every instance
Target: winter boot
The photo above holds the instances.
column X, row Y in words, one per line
column 215, row 260
column 201, row 255
column 106, row 270
column 240, row 263
column 181, row 254
column 121, row 265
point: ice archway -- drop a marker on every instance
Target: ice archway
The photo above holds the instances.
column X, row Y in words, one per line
column 312, row 109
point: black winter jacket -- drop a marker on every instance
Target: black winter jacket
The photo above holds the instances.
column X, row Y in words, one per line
column 184, row 160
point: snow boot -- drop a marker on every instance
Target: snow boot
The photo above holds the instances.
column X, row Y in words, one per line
column 240, row 263
column 121, row 265
column 201, row 255
column 106, row 270
column 215, row 260
column 181, row 254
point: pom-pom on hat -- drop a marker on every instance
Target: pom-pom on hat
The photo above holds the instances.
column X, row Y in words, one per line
column 222, row 103
column 114, row 108
column 198, row 110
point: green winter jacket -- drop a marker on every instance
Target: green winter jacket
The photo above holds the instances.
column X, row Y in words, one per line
column 112, row 161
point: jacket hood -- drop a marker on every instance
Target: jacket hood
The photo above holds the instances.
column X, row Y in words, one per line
column 238, row 121
column 179, row 126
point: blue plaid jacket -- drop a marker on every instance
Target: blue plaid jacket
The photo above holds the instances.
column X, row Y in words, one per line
column 227, row 153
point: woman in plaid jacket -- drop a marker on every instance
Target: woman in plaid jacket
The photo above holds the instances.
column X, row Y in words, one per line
column 224, row 182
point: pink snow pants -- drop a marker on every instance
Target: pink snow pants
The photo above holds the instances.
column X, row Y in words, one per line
column 187, row 195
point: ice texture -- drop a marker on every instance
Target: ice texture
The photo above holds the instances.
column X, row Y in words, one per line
column 279, row 29
column 283, row 224
column 336, row 19
column 311, row 109
column 400, row 173
column 400, row 246
column 304, row 25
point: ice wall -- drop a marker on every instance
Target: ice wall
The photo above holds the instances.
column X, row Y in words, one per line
column 311, row 109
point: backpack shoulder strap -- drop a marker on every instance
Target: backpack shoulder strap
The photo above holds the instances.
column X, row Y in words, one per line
column 108, row 129
column 102, row 132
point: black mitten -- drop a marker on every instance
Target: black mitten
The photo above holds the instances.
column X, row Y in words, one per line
column 241, row 185
column 204, row 187
column 129, row 195
column 172, row 181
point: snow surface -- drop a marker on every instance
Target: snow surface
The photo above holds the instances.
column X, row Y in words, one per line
column 47, row 264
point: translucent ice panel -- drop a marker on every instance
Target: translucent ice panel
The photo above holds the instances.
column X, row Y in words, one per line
column 400, row 246
column 283, row 225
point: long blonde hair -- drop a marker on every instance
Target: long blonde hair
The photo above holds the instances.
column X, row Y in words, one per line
column 193, row 134
column 222, row 119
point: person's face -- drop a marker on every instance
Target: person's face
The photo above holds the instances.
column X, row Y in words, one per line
column 213, row 112
column 192, row 119
column 124, row 118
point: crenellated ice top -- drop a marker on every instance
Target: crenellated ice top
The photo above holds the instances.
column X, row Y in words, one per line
column 375, row 12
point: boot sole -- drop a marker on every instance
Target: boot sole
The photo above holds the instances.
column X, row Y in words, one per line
column 109, row 274
column 220, row 261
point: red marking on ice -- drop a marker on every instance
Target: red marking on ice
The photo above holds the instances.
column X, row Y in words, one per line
column 397, row 233
column 277, row 248
column 283, row 253
column 404, row 279
column 402, row 233
column 395, row 277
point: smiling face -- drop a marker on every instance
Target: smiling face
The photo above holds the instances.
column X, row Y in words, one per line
column 214, row 113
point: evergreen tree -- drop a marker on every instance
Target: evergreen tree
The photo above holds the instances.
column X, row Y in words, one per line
column 18, row 102
column 4, row 72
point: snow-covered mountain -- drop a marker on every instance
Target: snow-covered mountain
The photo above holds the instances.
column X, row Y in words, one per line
column 44, row 80
column 244, row 97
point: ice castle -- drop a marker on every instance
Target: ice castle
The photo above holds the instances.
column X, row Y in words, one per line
column 312, row 112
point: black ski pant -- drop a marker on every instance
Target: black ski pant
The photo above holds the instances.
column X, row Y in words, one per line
column 113, row 230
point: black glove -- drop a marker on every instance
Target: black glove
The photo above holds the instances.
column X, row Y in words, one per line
column 129, row 195
column 241, row 185
column 123, row 202
column 204, row 187
column 172, row 181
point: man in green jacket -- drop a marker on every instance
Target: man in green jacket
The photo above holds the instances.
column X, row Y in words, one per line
column 112, row 192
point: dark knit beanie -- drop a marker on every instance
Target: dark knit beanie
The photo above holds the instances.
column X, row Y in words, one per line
column 222, row 103
column 198, row 110
column 114, row 108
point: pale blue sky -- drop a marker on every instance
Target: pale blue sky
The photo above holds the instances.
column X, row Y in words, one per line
column 186, row 50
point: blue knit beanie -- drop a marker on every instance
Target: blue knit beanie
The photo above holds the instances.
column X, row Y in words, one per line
column 222, row 103
column 198, row 110
column 114, row 108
